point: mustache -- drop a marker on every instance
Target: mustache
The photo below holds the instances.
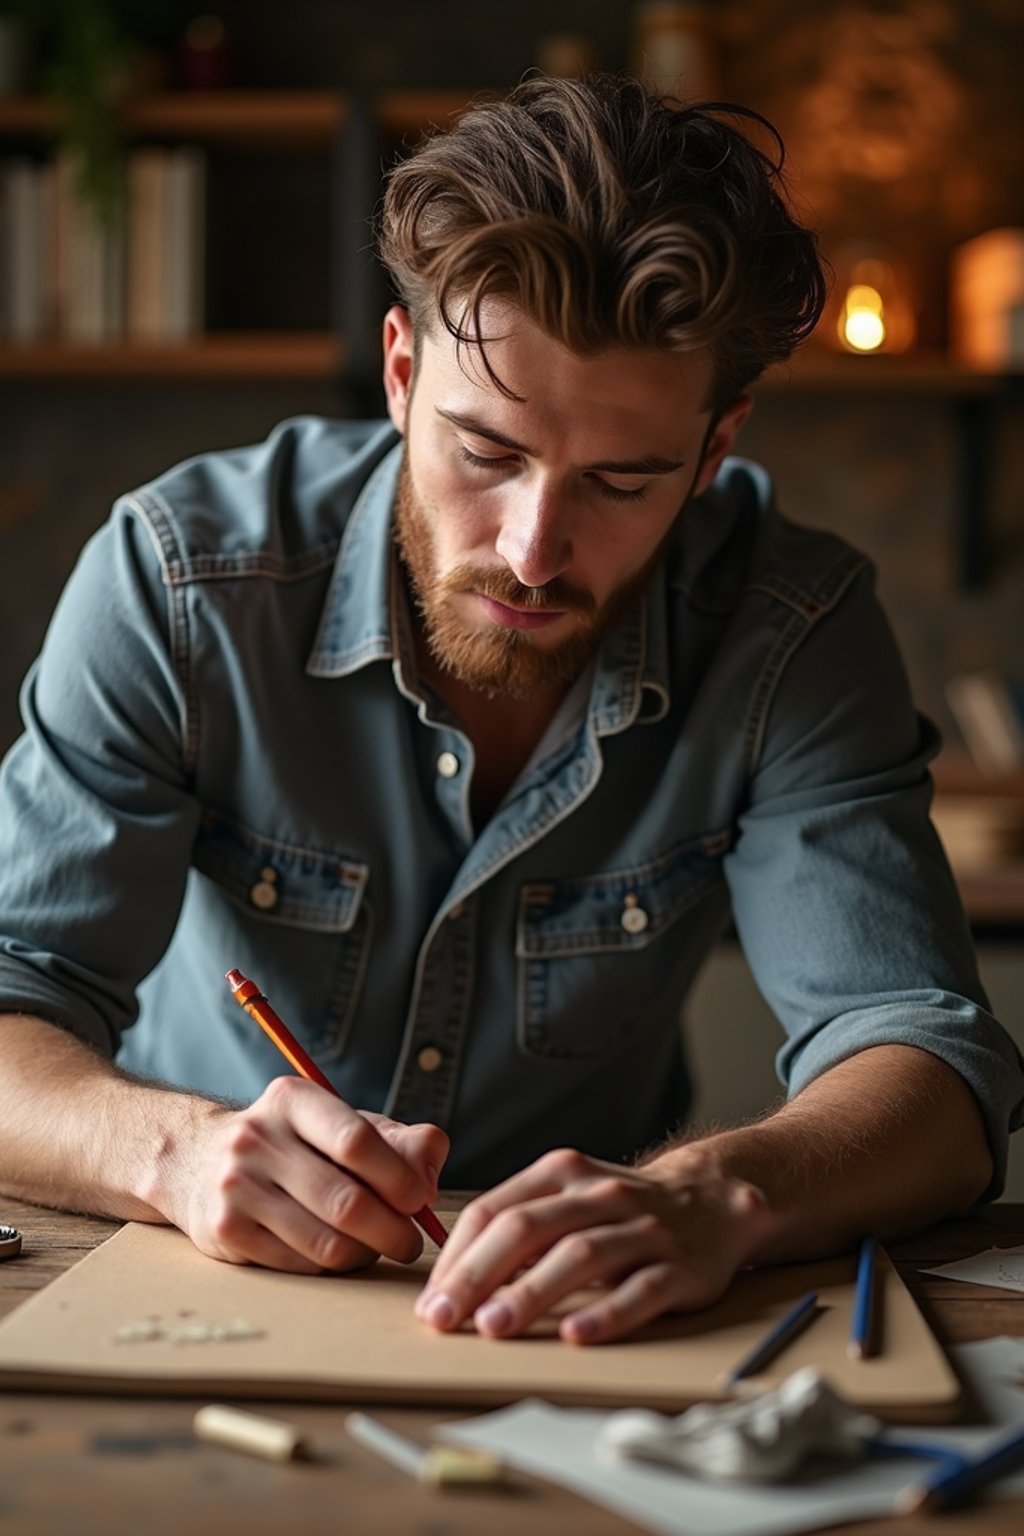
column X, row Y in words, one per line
column 502, row 587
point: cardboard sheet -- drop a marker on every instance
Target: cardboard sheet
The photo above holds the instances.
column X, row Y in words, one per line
column 354, row 1338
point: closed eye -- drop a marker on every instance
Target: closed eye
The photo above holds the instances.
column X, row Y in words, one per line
column 485, row 461
column 616, row 493
column 504, row 461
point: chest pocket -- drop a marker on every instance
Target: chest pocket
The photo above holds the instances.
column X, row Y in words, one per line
column 595, row 953
column 297, row 922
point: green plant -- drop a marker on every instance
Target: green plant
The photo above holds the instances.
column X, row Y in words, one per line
column 88, row 51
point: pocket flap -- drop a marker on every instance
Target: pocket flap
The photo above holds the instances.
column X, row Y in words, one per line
column 281, row 882
column 622, row 909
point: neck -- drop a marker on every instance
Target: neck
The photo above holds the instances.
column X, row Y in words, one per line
column 504, row 731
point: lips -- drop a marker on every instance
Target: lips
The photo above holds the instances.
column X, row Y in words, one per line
column 519, row 618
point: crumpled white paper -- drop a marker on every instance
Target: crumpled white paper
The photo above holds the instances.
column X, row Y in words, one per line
column 764, row 1438
column 560, row 1444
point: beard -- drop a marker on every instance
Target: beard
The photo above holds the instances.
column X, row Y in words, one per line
column 493, row 660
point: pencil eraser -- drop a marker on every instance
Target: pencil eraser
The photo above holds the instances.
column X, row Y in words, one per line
column 271, row 1439
column 448, row 1464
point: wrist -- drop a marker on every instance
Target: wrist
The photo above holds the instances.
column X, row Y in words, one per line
column 707, row 1167
column 178, row 1126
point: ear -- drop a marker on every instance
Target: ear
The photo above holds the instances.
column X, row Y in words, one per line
column 721, row 441
column 398, row 364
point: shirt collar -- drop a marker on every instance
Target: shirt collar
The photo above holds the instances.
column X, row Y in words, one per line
column 356, row 622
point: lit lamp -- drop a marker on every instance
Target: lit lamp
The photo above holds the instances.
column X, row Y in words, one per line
column 874, row 314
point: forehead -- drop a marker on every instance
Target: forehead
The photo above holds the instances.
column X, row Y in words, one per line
column 620, row 392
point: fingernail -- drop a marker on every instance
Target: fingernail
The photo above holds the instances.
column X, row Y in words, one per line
column 422, row 1300
column 439, row 1310
column 493, row 1317
column 581, row 1328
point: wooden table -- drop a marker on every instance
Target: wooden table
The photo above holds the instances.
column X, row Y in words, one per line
column 100, row 1466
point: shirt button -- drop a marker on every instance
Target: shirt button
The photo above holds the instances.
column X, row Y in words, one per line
column 429, row 1059
column 634, row 919
column 448, row 765
column 264, row 893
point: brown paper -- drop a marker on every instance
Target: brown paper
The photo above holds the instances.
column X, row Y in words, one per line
column 354, row 1338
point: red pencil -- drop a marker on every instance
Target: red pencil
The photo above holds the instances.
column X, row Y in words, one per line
column 248, row 995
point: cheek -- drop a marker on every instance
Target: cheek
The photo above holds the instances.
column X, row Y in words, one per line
column 461, row 515
column 623, row 553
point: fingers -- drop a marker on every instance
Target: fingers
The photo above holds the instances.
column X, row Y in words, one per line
column 301, row 1181
column 644, row 1295
column 254, row 1224
column 550, row 1175
column 580, row 1255
column 497, row 1237
column 349, row 1140
column 569, row 1222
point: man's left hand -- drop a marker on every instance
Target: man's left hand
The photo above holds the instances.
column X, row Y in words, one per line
column 656, row 1239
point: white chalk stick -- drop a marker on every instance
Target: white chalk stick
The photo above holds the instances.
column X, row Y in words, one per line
column 271, row 1439
column 441, row 1465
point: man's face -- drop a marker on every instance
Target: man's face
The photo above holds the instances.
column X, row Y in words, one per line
column 526, row 526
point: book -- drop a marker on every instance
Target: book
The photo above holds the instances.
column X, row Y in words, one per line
column 26, row 232
column 185, row 199
column 147, row 243
column 166, row 244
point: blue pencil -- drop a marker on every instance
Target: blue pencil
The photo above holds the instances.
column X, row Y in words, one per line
column 795, row 1320
column 952, row 1485
column 862, row 1332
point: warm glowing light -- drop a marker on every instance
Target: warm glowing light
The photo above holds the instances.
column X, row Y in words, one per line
column 862, row 321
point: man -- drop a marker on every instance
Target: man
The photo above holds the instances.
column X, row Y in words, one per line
column 462, row 736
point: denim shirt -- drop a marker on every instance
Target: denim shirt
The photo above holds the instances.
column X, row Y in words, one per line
column 229, row 761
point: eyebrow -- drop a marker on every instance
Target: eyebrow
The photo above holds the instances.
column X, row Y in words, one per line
column 652, row 464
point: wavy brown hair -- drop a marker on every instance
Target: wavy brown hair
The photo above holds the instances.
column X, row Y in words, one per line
column 612, row 218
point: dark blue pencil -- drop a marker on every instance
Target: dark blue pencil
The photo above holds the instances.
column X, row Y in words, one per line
column 952, row 1485
column 862, row 1332
column 795, row 1320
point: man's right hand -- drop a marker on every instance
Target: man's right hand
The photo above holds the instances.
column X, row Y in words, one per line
column 300, row 1181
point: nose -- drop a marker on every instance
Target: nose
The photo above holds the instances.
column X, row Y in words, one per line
column 534, row 540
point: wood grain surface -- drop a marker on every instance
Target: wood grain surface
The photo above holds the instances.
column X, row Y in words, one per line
column 96, row 1466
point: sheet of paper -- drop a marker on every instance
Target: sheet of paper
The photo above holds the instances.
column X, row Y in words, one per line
column 1003, row 1267
column 558, row 1444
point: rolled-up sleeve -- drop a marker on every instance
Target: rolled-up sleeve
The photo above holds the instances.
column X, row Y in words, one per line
column 96, row 818
column 842, row 895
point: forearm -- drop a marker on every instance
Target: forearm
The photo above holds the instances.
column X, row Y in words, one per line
column 78, row 1134
column 887, row 1141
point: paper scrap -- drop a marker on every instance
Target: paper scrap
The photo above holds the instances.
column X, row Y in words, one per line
column 1003, row 1267
column 560, row 1444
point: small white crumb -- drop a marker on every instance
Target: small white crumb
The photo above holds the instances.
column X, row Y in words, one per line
column 138, row 1333
column 151, row 1329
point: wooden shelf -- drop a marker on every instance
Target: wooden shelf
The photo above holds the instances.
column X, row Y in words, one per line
column 919, row 373
column 956, row 774
column 398, row 113
column 260, row 354
column 286, row 118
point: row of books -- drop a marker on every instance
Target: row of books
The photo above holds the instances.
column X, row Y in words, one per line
column 66, row 274
column 989, row 712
